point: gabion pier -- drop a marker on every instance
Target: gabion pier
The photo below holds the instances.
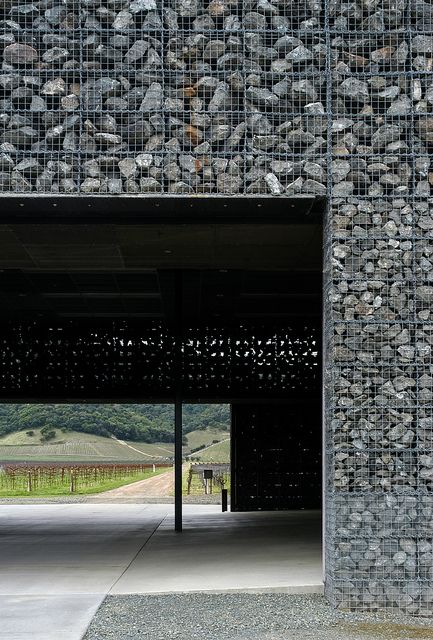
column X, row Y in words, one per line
column 272, row 98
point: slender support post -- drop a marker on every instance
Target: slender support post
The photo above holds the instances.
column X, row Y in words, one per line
column 178, row 405
column 178, row 463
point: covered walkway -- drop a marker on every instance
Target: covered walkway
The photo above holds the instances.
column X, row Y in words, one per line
column 59, row 561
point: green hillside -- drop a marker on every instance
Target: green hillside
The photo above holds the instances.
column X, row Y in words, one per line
column 74, row 446
column 219, row 452
column 33, row 438
column 134, row 422
column 204, row 438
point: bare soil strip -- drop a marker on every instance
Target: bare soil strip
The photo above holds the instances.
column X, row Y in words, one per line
column 160, row 486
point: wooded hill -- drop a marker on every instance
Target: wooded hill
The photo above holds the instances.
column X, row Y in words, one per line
column 145, row 423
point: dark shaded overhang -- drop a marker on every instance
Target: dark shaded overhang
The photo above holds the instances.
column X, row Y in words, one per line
column 241, row 258
column 21, row 208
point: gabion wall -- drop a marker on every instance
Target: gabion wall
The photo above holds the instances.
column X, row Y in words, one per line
column 273, row 97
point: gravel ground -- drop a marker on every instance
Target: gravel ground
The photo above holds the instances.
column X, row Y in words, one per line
column 52, row 500
column 94, row 499
column 216, row 499
column 244, row 617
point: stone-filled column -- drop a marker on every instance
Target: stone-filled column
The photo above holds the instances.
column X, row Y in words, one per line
column 378, row 296
column 281, row 98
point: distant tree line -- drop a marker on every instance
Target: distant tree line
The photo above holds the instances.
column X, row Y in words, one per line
column 146, row 423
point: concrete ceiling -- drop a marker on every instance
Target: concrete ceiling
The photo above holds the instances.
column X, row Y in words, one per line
column 125, row 269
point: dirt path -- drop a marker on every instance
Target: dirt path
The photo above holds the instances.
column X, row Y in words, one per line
column 145, row 455
column 160, row 486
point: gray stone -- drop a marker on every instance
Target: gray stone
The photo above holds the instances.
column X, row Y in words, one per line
column 70, row 102
column 21, row 137
column 187, row 8
column 139, row 131
column 228, row 184
column 340, row 170
column 54, row 87
column 190, row 163
column 9, row 81
column 137, row 51
column 142, row 5
column 281, row 89
column 299, row 54
column 19, row 53
column 301, row 138
column 425, row 293
column 295, row 187
column 144, row 160
column 313, row 186
column 107, row 139
column 274, row 185
column 265, row 143
column 315, row 108
column 68, row 185
column 153, row 98
column 6, row 162
column 354, row 89
column 254, row 21
column 304, row 89
column 56, row 54
column 282, row 167
column 55, row 15
column 28, row 167
column 262, row 97
column 425, row 128
column 91, row 185
column 101, row 86
column 220, row 98
column 384, row 135
column 181, row 187
column 37, row 104
column 128, row 167
column 422, row 44
column 123, row 21
column 150, row 185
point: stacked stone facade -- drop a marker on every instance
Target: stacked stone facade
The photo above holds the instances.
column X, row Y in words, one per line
column 279, row 98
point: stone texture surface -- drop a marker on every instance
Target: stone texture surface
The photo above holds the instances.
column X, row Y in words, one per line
column 255, row 98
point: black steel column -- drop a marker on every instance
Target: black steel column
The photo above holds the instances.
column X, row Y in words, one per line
column 178, row 463
column 178, row 405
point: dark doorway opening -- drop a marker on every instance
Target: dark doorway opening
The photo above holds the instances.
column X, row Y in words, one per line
column 178, row 310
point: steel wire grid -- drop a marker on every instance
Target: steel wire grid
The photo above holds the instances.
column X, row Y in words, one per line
column 378, row 294
column 282, row 98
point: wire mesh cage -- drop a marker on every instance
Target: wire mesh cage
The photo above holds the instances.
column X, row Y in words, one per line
column 178, row 97
column 271, row 97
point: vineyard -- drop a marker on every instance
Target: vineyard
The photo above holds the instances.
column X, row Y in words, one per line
column 209, row 445
column 86, row 449
column 195, row 484
column 56, row 479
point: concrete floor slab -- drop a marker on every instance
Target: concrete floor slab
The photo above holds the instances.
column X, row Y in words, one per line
column 58, row 561
column 46, row 617
column 218, row 552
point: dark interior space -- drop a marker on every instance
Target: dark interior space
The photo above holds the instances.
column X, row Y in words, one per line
column 178, row 311
column 276, row 456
